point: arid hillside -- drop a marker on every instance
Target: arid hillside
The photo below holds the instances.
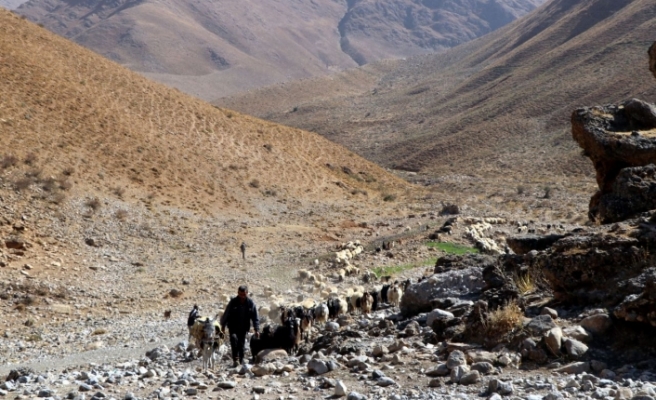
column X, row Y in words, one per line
column 76, row 111
column 107, row 177
column 498, row 106
column 212, row 49
column 11, row 4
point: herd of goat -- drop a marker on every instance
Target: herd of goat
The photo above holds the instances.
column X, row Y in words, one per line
column 295, row 322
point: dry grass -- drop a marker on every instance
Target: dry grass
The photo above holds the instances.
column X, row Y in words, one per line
column 504, row 320
column 524, row 283
column 99, row 331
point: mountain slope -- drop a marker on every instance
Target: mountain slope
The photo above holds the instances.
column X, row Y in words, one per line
column 212, row 49
column 78, row 111
column 498, row 105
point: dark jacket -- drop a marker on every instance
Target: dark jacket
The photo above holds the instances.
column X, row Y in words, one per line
column 238, row 316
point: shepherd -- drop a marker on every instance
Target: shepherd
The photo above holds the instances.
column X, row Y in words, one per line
column 238, row 315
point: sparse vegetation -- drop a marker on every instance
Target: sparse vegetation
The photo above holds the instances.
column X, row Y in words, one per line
column 118, row 191
column 99, row 331
column 30, row 159
column 524, row 282
column 93, row 203
column 521, row 189
column 389, row 197
column 452, row 248
column 254, row 184
column 8, row 161
column 504, row 320
column 121, row 215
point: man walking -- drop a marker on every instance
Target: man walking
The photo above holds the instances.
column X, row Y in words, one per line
column 243, row 250
column 238, row 315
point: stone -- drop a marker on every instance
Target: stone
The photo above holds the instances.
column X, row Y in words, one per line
column 550, row 312
column 455, row 359
column 607, row 374
column 385, row 381
column 192, row 391
column 577, row 332
column 575, row 348
column 470, row 378
column 331, row 326
column 574, row 368
column 623, row 393
column 435, row 382
column 553, row 340
column 259, row 389
column 540, row 325
column 340, row 389
column 439, row 370
column 318, row 367
column 458, row 372
column 355, row 396
column 500, row 387
column 597, row 324
column 379, row 350
column 46, row 393
column 271, row 355
column 265, row 369
column 227, row 384
column 438, row 314
column 483, row 367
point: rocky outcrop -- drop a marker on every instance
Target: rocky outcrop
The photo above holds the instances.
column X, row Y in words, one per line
column 524, row 244
column 616, row 137
column 652, row 59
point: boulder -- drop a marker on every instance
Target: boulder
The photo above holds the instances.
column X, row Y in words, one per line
column 318, row 367
column 553, row 340
column 575, row 349
column 597, row 324
column 271, row 354
column 417, row 297
column 540, row 325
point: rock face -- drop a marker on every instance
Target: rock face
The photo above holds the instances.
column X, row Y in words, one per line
column 618, row 140
column 652, row 59
column 524, row 244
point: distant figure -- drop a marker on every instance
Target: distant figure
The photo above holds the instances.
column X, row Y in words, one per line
column 243, row 250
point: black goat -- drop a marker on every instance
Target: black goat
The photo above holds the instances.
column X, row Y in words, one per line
column 376, row 297
column 265, row 341
column 383, row 294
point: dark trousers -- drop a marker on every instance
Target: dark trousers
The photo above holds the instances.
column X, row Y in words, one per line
column 237, row 341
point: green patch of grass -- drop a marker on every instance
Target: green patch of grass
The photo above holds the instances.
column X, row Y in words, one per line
column 395, row 269
column 452, row 248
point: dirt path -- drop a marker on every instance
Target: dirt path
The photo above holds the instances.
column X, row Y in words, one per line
column 100, row 356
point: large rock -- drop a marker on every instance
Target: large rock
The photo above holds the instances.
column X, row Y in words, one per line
column 610, row 136
column 652, row 59
column 636, row 307
column 455, row 283
column 271, row 354
column 526, row 243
